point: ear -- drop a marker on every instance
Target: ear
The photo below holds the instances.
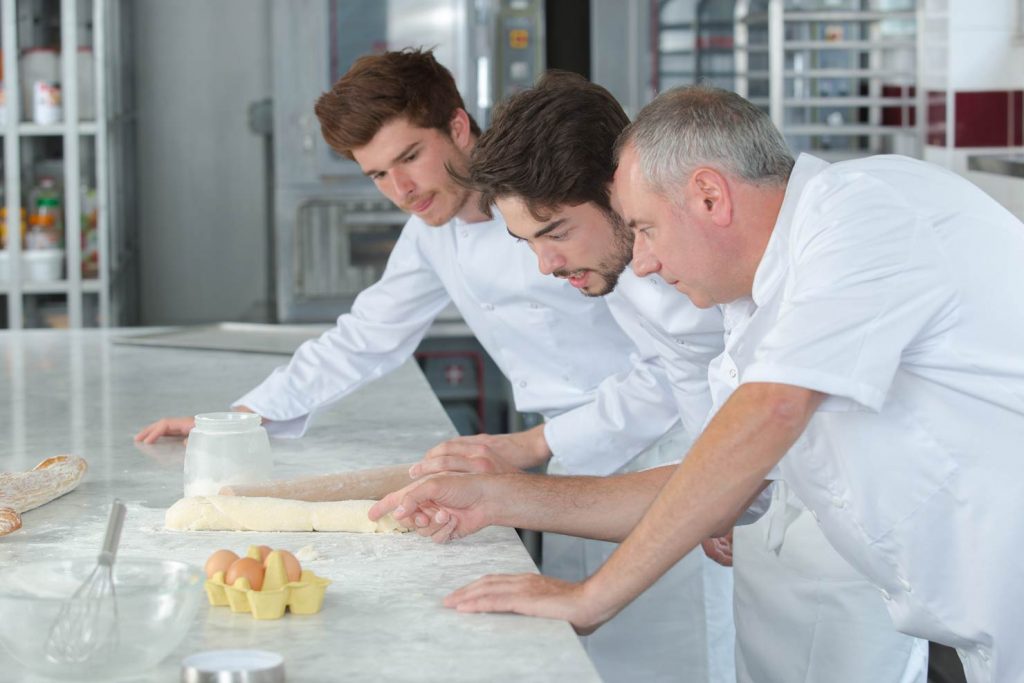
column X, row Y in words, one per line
column 713, row 196
column 459, row 129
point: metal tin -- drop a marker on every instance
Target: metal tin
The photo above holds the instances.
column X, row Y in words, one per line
column 233, row 666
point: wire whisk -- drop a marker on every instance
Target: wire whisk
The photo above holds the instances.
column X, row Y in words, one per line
column 87, row 622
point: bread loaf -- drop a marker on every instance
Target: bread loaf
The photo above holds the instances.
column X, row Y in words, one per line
column 9, row 521
column 23, row 491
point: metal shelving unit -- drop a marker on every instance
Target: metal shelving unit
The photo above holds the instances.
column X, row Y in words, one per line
column 839, row 77
column 84, row 146
column 694, row 42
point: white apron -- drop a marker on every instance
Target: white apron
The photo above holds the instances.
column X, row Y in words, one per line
column 803, row 614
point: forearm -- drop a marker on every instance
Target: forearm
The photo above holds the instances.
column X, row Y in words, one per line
column 604, row 508
column 723, row 471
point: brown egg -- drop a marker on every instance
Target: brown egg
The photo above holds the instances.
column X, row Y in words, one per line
column 248, row 568
column 264, row 551
column 219, row 561
column 292, row 568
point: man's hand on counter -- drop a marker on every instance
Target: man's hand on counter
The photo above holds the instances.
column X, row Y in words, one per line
column 174, row 426
column 534, row 595
column 486, row 454
column 168, row 426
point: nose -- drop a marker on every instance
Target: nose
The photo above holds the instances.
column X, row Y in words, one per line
column 548, row 260
column 402, row 183
column 644, row 262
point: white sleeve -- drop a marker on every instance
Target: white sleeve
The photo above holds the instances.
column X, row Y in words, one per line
column 633, row 410
column 687, row 372
column 386, row 323
column 629, row 412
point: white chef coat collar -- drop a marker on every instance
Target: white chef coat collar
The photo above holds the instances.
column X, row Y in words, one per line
column 772, row 267
column 736, row 311
column 495, row 217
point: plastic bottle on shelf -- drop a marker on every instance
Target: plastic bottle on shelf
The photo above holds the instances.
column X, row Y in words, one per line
column 44, row 200
column 37, row 64
column 43, row 259
column 46, row 103
column 42, row 234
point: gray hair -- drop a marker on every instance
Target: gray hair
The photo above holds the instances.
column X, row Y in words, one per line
column 685, row 128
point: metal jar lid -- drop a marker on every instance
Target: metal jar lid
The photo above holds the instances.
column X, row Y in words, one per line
column 233, row 666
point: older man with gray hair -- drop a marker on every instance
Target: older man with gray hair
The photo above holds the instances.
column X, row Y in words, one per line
column 876, row 315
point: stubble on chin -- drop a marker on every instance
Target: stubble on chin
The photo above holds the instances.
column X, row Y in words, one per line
column 459, row 197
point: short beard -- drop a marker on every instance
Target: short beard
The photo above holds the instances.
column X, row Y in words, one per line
column 610, row 269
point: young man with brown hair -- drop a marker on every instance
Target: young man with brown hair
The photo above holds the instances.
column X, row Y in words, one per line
column 399, row 116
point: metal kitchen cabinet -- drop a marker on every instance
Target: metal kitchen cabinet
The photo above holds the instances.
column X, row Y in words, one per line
column 83, row 149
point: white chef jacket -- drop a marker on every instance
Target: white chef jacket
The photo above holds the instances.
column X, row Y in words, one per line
column 897, row 288
column 554, row 345
column 679, row 337
column 681, row 628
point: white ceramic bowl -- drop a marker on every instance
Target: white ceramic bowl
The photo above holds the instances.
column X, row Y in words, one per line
column 156, row 605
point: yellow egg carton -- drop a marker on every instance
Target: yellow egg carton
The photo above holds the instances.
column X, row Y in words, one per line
column 305, row 596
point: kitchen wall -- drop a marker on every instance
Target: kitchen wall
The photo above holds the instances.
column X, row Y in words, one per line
column 973, row 78
column 202, row 172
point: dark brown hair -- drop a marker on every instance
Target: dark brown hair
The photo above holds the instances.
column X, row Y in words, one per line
column 379, row 88
column 550, row 146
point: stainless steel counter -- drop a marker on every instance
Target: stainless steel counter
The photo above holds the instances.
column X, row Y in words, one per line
column 78, row 392
column 1003, row 164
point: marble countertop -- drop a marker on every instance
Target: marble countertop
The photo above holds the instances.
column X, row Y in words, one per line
column 77, row 392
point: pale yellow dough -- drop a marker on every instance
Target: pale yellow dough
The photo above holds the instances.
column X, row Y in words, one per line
column 242, row 513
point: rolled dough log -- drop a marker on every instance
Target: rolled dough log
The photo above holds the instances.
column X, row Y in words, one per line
column 234, row 513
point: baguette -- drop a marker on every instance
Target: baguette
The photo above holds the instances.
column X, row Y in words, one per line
column 23, row 491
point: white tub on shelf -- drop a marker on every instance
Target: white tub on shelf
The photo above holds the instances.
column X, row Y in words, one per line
column 41, row 265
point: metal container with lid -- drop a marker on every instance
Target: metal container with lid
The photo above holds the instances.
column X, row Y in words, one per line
column 233, row 666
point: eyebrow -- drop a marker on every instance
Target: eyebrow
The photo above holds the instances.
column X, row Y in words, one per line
column 553, row 225
column 397, row 157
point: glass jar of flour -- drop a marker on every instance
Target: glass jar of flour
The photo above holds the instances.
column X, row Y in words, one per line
column 223, row 449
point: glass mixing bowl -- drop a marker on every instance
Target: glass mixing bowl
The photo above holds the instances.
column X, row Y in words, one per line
column 156, row 605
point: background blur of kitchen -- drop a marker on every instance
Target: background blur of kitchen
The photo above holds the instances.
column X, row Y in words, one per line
column 163, row 166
